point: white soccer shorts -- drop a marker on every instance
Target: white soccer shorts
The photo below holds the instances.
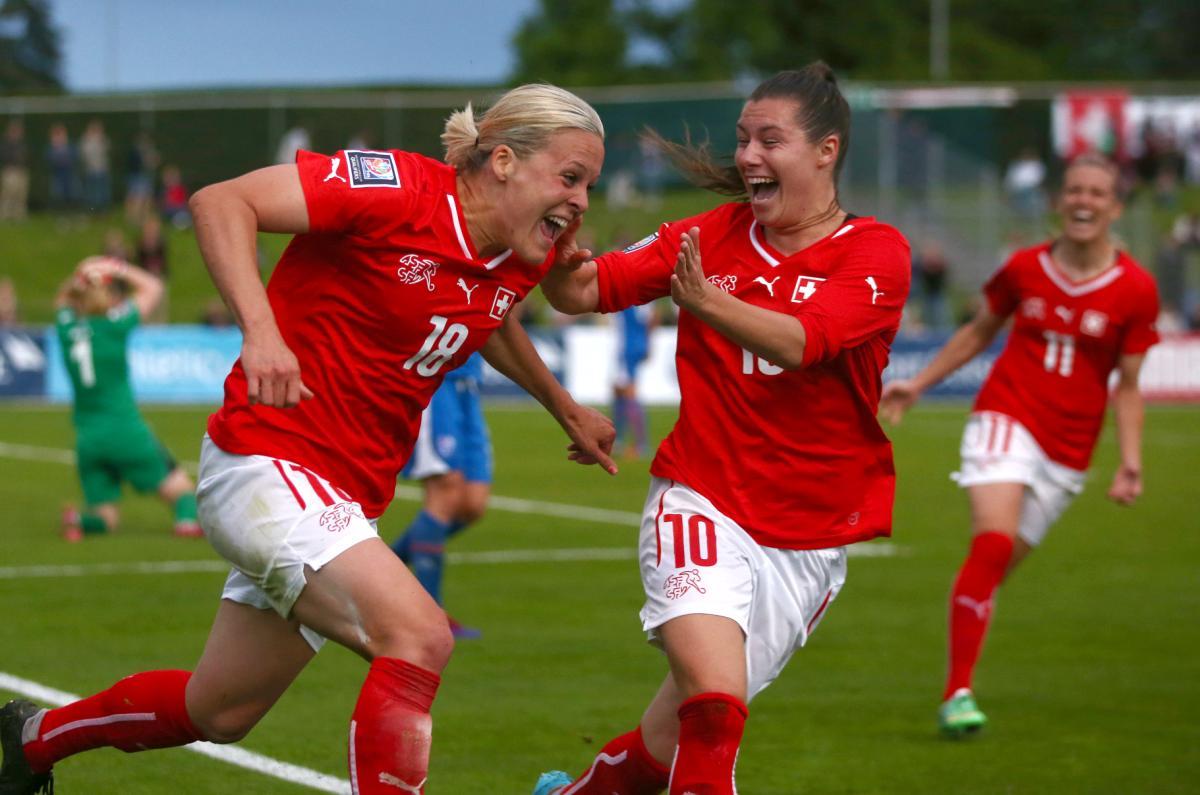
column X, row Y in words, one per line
column 696, row 560
column 271, row 518
column 998, row 449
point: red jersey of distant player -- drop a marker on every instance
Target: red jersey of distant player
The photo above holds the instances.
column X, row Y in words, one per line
column 379, row 300
column 796, row 457
column 1066, row 338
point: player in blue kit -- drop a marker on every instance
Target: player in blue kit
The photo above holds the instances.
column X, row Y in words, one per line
column 453, row 461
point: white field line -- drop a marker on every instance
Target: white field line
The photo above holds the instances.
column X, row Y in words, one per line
column 224, row 753
column 878, row 549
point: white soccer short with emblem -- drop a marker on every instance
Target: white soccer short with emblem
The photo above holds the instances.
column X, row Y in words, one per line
column 696, row 560
column 998, row 449
column 271, row 518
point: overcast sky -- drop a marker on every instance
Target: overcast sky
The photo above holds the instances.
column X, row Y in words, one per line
column 126, row 45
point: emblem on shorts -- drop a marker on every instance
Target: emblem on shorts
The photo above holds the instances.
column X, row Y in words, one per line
column 372, row 169
column 337, row 518
column 680, row 583
column 414, row 270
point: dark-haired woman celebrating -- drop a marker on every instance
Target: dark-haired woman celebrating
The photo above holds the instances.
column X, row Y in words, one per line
column 788, row 309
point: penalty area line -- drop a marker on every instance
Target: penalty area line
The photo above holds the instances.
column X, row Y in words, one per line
column 229, row 754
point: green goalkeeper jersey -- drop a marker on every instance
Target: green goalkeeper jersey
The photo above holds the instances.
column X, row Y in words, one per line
column 94, row 351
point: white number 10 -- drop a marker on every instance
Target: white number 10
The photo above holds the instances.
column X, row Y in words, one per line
column 764, row 367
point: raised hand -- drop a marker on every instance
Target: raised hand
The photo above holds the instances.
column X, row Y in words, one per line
column 689, row 286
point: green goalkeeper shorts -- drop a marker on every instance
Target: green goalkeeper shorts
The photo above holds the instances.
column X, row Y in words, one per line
column 125, row 453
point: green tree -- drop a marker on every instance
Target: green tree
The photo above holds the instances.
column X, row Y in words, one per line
column 29, row 48
column 572, row 42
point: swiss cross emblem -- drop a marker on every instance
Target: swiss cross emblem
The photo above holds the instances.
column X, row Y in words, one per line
column 1093, row 323
column 805, row 287
column 502, row 302
column 1034, row 307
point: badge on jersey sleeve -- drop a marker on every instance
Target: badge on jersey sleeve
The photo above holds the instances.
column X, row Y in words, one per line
column 372, row 169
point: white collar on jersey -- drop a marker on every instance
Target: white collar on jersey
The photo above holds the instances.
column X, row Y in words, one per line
column 462, row 240
column 1075, row 289
column 766, row 255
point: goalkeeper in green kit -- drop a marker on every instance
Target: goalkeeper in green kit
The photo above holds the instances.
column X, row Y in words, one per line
column 98, row 307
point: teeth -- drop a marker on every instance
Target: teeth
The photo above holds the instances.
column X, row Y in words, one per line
column 760, row 181
column 558, row 221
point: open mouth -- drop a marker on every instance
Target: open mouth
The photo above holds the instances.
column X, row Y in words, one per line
column 762, row 188
column 553, row 225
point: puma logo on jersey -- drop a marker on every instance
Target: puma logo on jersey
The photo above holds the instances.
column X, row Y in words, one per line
column 393, row 781
column 679, row 584
column 468, row 290
column 770, row 285
column 875, row 291
column 334, row 162
column 1064, row 314
column 981, row 609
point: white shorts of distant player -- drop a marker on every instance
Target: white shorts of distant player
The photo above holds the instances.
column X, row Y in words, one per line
column 271, row 519
column 998, row 449
column 696, row 560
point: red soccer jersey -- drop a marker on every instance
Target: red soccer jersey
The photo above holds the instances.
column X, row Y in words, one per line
column 796, row 457
column 1066, row 338
column 379, row 300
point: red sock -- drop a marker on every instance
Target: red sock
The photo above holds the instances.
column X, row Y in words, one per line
column 140, row 712
column 390, row 730
column 710, row 731
column 971, row 604
column 625, row 766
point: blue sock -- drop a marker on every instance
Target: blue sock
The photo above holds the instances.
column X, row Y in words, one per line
column 620, row 417
column 425, row 542
column 454, row 528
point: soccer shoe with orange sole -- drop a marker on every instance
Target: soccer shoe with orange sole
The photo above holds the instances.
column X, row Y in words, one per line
column 16, row 778
column 72, row 528
column 958, row 716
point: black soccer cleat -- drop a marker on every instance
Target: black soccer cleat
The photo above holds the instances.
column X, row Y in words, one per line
column 15, row 776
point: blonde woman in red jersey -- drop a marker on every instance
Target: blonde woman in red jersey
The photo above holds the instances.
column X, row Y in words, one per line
column 788, row 309
column 363, row 316
column 1081, row 308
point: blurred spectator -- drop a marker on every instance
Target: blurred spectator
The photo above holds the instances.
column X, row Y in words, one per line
column 151, row 256
column 621, row 190
column 1023, row 182
column 8, row 303
column 14, row 173
column 94, row 159
column 115, row 244
column 1170, row 266
column 141, row 164
column 216, row 314
column 1191, row 157
column 363, row 139
column 292, row 141
column 60, row 156
column 932, row 270
column 172, row 203
column 651, row 171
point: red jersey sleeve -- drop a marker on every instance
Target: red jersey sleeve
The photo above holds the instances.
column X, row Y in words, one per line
column 1000, row 291
column 353, row 192
column 863, row 298
column 1141, row 333
column 640, row 273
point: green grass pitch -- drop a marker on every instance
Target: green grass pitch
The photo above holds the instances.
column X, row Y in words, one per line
column 1090, row 674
